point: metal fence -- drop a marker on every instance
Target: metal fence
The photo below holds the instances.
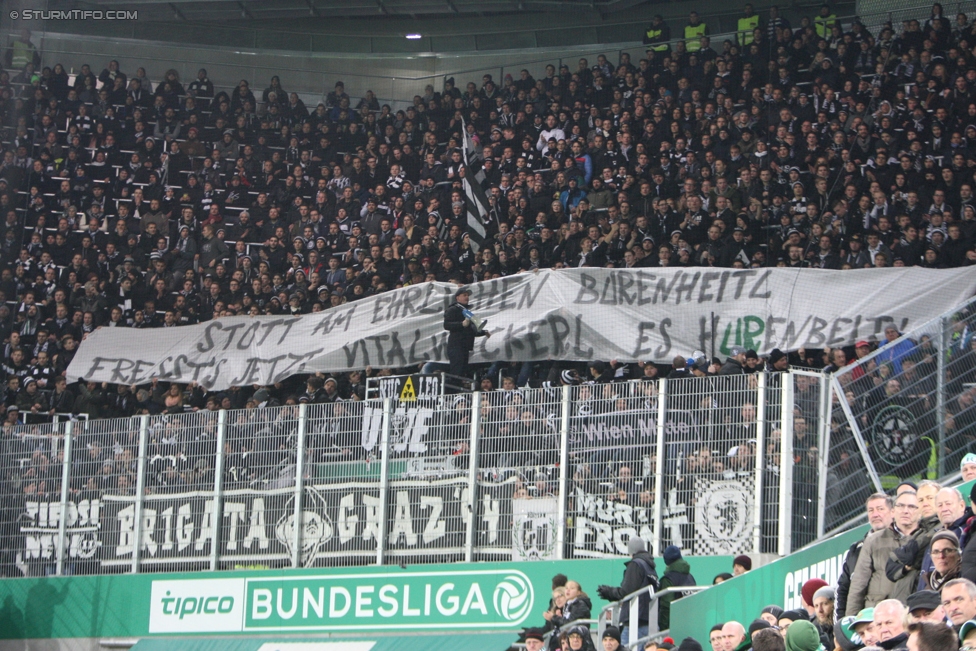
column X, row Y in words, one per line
column 907, row 410
column 523, row 474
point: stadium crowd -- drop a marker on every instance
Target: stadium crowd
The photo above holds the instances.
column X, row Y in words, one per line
column 133, row 203
column 128, row 202
column 908, row 585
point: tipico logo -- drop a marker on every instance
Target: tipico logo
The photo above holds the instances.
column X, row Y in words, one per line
column 513, row 597
column 197, row 606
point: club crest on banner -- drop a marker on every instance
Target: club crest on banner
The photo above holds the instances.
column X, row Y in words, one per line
column 723, row 515
column 534, row 523
column 317, row 527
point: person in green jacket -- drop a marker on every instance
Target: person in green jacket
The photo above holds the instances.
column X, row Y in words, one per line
column 676, row 574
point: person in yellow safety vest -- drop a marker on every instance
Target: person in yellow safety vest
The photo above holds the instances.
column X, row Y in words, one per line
column 22, row 51
column 747, row 25
column 824, row 23
column 694, row 30
column 657, row 35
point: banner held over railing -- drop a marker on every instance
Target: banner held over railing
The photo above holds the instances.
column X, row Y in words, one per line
column 574, row 314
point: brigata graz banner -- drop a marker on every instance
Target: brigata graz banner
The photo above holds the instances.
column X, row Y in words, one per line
column 339, row 520
column 570, row 314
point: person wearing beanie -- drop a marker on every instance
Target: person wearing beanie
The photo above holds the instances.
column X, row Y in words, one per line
column 807, row 592
column 946, row 560
column 954, row 515
column 534, row 639
column 676, row 573
column 689, row 644
column 611, row 638
column 771, row 614
column 778, row 361
column 803, row 636
column 639, row 572
column 758, row 625
column 788, row 617
column 741, row 565
column 823, row 614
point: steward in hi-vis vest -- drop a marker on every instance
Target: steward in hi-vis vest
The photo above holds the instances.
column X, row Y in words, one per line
column 825, row 22
column 694, row 30
column 747, row 24
column 657, row 35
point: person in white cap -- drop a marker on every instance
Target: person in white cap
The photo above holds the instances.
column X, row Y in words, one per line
column 968, row 467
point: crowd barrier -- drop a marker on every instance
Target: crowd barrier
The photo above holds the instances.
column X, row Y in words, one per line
column 907, row 409
column 548, row 473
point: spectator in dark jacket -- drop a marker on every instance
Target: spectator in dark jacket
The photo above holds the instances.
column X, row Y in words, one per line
column 677, row 573
column 639, row 572
column 735, row 364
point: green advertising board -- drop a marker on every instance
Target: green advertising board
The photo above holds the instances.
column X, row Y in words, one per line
column 502, row 597
column 742, row 598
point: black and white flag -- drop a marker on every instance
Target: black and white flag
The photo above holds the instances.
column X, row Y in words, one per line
column 476, row 200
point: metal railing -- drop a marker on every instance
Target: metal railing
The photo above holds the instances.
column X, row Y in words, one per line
column 905, row 410
column 521, row 474
column 632, row 637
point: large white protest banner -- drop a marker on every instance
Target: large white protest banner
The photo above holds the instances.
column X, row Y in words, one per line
column 571, row 314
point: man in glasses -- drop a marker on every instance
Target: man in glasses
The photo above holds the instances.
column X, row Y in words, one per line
column 869, row 583
column 945, row 560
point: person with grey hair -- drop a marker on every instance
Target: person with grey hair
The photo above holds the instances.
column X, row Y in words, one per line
column 953, row 514
column 639, row 572
column 889, row 620
column 959, row 601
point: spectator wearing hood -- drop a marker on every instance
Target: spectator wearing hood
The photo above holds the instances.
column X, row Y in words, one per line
column 677, row 573
column 803, row 636
column 639, row 572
